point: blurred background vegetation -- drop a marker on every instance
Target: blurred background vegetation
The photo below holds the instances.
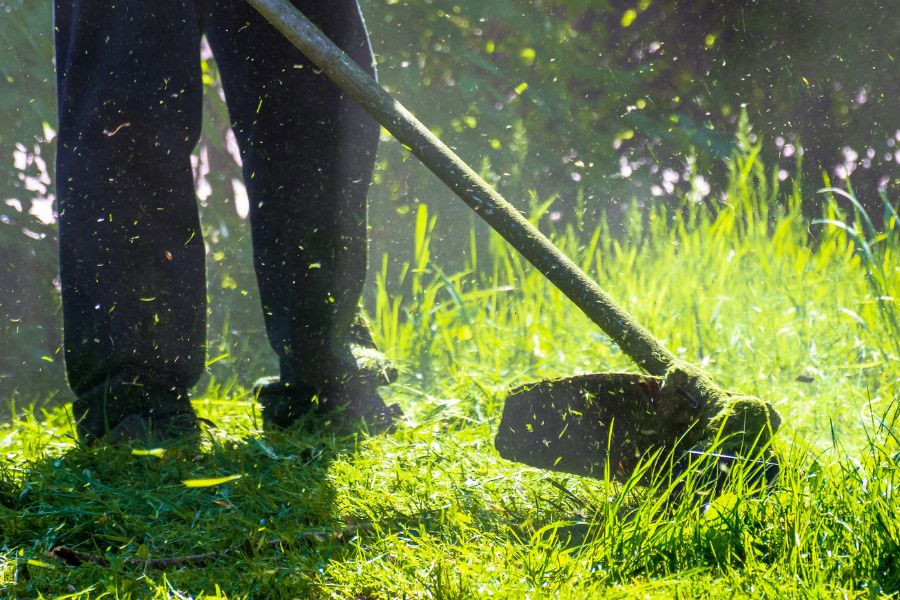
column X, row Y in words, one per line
column 580, row 107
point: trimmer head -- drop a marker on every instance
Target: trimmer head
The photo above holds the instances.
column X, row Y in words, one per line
column 582, row 424
column 579, row 423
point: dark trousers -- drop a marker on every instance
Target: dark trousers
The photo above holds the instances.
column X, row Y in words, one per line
column 131, row 249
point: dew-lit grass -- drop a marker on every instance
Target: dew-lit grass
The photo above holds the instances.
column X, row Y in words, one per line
column 432, row 511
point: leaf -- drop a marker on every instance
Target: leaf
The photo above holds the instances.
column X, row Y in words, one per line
column 202, row 483
column 32, row 562
column 213, row 361
column 157, row 452
column 528, row 55
column 854, row 315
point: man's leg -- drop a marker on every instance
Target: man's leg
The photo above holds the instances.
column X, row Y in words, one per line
column 308, row 153
column 131, row 252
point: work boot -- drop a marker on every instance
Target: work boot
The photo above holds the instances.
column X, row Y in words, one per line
column 347, row 388
column 283, row 403
column 126, row 410
column 354, row 402
column 152, row 429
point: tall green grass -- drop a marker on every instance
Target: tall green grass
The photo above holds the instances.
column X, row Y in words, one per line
column 432, row 511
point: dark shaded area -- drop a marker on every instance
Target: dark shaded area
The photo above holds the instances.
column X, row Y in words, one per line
column 115, row 510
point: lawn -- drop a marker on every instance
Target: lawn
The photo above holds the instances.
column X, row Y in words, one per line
column 430, row 510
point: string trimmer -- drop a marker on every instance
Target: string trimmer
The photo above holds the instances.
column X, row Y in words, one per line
column 583, row 423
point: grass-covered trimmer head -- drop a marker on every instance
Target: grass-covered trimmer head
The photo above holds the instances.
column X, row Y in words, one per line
column 611, row 422
column 572, row 421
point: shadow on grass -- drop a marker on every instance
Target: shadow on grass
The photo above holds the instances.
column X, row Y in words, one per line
column 128, row 515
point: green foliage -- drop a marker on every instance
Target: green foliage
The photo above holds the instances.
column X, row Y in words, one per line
column 26, row 75
column 609, row 93
column 432, row 511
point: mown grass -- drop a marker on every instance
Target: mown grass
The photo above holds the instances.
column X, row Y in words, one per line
column 431, row 510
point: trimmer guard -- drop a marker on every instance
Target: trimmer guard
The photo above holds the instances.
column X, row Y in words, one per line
column 579, row 424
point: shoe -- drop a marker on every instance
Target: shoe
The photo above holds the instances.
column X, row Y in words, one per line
column 123, row 410
column 354, row 402
column 141, row 429
column 349, row 390
column 282, row 403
